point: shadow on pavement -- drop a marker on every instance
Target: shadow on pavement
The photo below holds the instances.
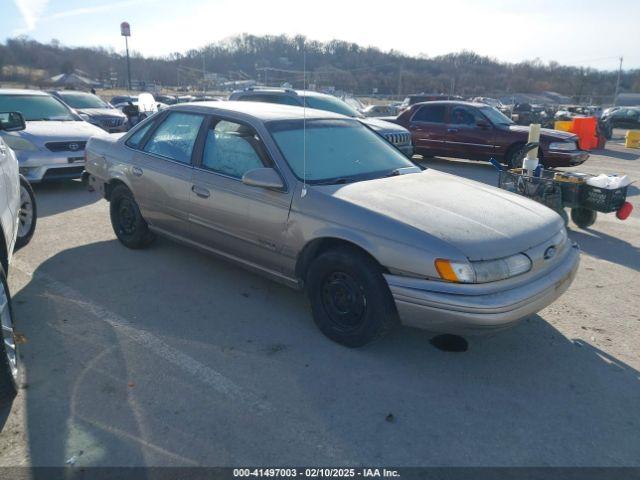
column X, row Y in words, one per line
column 607, row 247
column 620, row 155
column 527, row 396
column 61, row 196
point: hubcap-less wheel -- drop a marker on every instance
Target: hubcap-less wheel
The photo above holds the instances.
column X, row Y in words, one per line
column 126, row 216
column 343, row 300
column 25, row 214
column 7, row 332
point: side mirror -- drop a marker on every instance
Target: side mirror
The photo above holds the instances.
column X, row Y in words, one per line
column 263, row 178
column 12, row 121
column 483, row 124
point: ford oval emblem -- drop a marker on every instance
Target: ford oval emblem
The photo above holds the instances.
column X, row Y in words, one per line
column 549, row 253
column 74, row 147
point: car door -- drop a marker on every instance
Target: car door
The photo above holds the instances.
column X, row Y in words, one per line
column 244, row 222
column 469, row 133
column 161, row 170
column 428, row 129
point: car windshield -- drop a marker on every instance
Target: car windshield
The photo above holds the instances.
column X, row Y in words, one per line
column 495, row 116
column 330, row 104
column 82, row 100
column 36, row 107
column 337, row 151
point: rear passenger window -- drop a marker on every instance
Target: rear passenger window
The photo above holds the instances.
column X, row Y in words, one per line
column 232, row 149
column 175, row 137
column 135, row 139
column 430, row 113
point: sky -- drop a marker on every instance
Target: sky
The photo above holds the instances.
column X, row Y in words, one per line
column 589, row 33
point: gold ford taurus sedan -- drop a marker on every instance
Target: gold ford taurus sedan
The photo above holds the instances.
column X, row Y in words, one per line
column 320, row 202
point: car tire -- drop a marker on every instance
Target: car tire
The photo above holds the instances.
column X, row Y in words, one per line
column 127, row 222
column 28, row 214
column 583, row 217
column 9, row 362
column 350, row 299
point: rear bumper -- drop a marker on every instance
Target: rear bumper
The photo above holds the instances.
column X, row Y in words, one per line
column 552, row 158
column 421, row 304
column 42, row 166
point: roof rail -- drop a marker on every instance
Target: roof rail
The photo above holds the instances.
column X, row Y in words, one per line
column 272, row 89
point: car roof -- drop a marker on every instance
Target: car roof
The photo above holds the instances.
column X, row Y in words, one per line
column 260, row 110
column 18, row 91
column 453, row 102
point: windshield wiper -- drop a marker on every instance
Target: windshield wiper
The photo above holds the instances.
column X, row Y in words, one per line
column 331, row 181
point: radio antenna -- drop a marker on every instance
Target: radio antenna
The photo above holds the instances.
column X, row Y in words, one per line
column 303, row 193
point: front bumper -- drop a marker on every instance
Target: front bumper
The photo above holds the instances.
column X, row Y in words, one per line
column 465, row 308
column 42, row 166
column 554, row 158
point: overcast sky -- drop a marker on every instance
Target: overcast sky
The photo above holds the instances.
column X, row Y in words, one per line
column 591, row 33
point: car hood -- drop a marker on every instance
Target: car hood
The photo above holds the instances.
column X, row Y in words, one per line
column 40, row 133
column 544, row 132
column 480, row 221
column 101, row 112
column 382, row 125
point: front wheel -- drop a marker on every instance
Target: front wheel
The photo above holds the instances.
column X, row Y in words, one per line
column 350, row 300
column 8, row 351
column 27, row 214
column 127, row 222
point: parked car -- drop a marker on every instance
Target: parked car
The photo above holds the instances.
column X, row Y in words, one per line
column 624, row 117
column 479, row 132
column 426, row 97
column 395, row 134
column 94, row 110
column 16, row 194
column 318, row 201
column 52, row 145
column 380, row 111
column 492, row 102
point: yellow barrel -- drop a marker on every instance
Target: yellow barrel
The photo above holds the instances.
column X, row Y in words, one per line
column 564, row 125
column 632, row 139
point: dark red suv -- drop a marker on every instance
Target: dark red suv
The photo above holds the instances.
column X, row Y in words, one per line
column 479, row 132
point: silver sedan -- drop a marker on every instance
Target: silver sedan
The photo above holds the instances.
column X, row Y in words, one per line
column 319, row 202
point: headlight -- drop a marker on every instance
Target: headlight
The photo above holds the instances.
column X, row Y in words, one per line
column 484, row 271
column 565, row 146
column 19, row 143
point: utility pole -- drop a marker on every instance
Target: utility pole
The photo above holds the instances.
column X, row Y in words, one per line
column 204, row 74
column 615, row 95
column 125, row 31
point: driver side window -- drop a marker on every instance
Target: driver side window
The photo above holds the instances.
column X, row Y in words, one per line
column 463, row 116
column 232, row 149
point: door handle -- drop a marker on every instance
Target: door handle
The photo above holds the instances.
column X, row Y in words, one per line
column 452, row 130
column 201, row 192
column 136, row 171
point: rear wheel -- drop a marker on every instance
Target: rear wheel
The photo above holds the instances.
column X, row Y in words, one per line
column 583, row 217
column 350, row 300
column 8, row 350
column 127, row 222
column 27, row 214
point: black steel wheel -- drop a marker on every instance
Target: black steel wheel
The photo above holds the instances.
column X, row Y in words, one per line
column 350, row 299
column 127, row 222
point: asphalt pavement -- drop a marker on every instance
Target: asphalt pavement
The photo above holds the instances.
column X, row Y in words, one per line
column 167, row 356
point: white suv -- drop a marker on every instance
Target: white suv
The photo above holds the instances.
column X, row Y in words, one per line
column 17, row 223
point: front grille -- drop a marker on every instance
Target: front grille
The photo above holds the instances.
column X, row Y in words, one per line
column 66, row 146
column 398, row 138
column 63, row 173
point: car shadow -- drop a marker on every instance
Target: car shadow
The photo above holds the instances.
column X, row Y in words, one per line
column 128, row 350
column 607, row 247
column 620, row 155
column 61, row 196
